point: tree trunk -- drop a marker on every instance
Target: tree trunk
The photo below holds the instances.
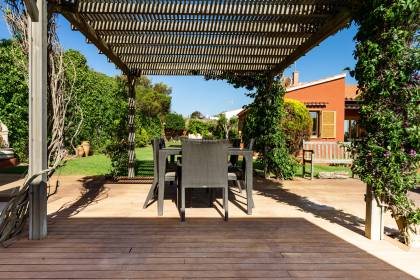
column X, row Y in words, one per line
column 410, row 232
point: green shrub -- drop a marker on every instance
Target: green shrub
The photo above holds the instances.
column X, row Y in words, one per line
column 118, row 153
column 142, row 137
column 174, row 125
column 196, row 126
column 14, row 97
column 152, row 127
column 296, row 124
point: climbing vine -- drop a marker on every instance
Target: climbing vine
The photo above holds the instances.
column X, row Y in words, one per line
column 387, row 70
column 262, row 122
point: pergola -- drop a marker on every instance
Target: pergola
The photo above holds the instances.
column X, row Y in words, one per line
column 173, row 37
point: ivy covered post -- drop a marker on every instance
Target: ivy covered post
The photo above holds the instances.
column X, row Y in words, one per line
column 263, row 121
column 263, row 124
column 387, row 70
column 131, row 125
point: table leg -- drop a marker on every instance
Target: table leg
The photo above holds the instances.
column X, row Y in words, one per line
column 248, row 180
column 161, row 184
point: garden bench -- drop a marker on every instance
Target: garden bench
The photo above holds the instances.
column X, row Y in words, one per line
column 325, row 153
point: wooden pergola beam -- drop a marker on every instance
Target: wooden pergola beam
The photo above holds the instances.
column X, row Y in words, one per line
column 75, row 20
column 330, row 28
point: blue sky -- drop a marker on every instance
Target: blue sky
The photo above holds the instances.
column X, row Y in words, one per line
column 211, row 97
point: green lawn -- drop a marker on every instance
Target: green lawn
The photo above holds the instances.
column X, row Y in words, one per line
column 96, row 165
column 100, row 165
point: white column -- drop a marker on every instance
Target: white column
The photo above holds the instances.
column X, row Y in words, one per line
column 38, row 122
column 374, row 228
column 131, row 126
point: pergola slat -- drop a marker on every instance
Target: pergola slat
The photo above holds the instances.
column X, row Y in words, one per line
column 219, row 59
column 282, row 29
column 228, row 51
column 199, row 40
column 243, row 8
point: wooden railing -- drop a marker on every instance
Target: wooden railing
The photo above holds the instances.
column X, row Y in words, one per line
column 328, row 152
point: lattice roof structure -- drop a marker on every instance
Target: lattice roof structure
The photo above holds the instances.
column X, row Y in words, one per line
column 204, row 37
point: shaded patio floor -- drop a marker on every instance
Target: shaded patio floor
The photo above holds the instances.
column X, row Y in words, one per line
column 300, row 230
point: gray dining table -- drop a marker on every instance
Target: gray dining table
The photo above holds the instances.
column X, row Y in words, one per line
column 173, row 151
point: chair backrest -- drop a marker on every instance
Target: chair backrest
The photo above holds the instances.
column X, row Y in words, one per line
column 204, row 163
column 157, row 144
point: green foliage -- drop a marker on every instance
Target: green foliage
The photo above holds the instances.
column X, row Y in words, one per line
column 296, row 124
column 100, row 100
column 263, row 119
column 142, row 137
column 387, row 70
column 152, row 100
column 202, row 127
column 118, row 154
column 226, row 129
column 174, row 125
column 262, row 124
column 14, row 97
column 147, row 128
column 197, row 115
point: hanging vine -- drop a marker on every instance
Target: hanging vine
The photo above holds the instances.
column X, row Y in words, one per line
column 387, row 70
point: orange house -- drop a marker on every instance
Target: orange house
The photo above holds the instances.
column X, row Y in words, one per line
column 332, row 105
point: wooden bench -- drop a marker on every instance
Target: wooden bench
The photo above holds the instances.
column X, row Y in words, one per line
column 324, row 152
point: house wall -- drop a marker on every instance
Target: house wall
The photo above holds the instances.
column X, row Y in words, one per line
column 332, row 92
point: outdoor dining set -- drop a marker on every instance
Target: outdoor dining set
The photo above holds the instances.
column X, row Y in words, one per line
column 201, row 164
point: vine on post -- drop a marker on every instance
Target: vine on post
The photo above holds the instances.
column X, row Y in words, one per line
column 263, row 121
column 387, row 71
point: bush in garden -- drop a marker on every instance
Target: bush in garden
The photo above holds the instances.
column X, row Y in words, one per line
column 142, row 137
column 197, row 126
column 118, row 154
column 296, row 124
column 174, row 125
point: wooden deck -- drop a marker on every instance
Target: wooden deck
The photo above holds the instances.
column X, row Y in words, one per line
column 104, row 234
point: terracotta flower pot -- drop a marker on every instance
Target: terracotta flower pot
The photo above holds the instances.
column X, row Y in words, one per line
column 86, row 147
column 80, row 151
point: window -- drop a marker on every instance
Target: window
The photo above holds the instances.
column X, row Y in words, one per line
column 315, row 124
column 351, row 130
column 328, row 120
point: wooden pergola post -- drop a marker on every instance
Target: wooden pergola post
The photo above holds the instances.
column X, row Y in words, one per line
column 37, row 117
column 131, row 125
column 374, row 227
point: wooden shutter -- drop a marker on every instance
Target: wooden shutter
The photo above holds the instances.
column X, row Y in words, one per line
column 328, row 124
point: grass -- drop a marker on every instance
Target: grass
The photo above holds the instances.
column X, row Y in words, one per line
column 97, row 165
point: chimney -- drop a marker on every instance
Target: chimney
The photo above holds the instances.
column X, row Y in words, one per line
column 295, row 78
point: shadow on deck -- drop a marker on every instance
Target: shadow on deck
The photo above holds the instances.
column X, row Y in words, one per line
column 124, row 248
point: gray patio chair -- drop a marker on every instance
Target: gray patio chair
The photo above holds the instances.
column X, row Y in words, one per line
column 157, row 144
column 236, row 173
column 204, row 165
